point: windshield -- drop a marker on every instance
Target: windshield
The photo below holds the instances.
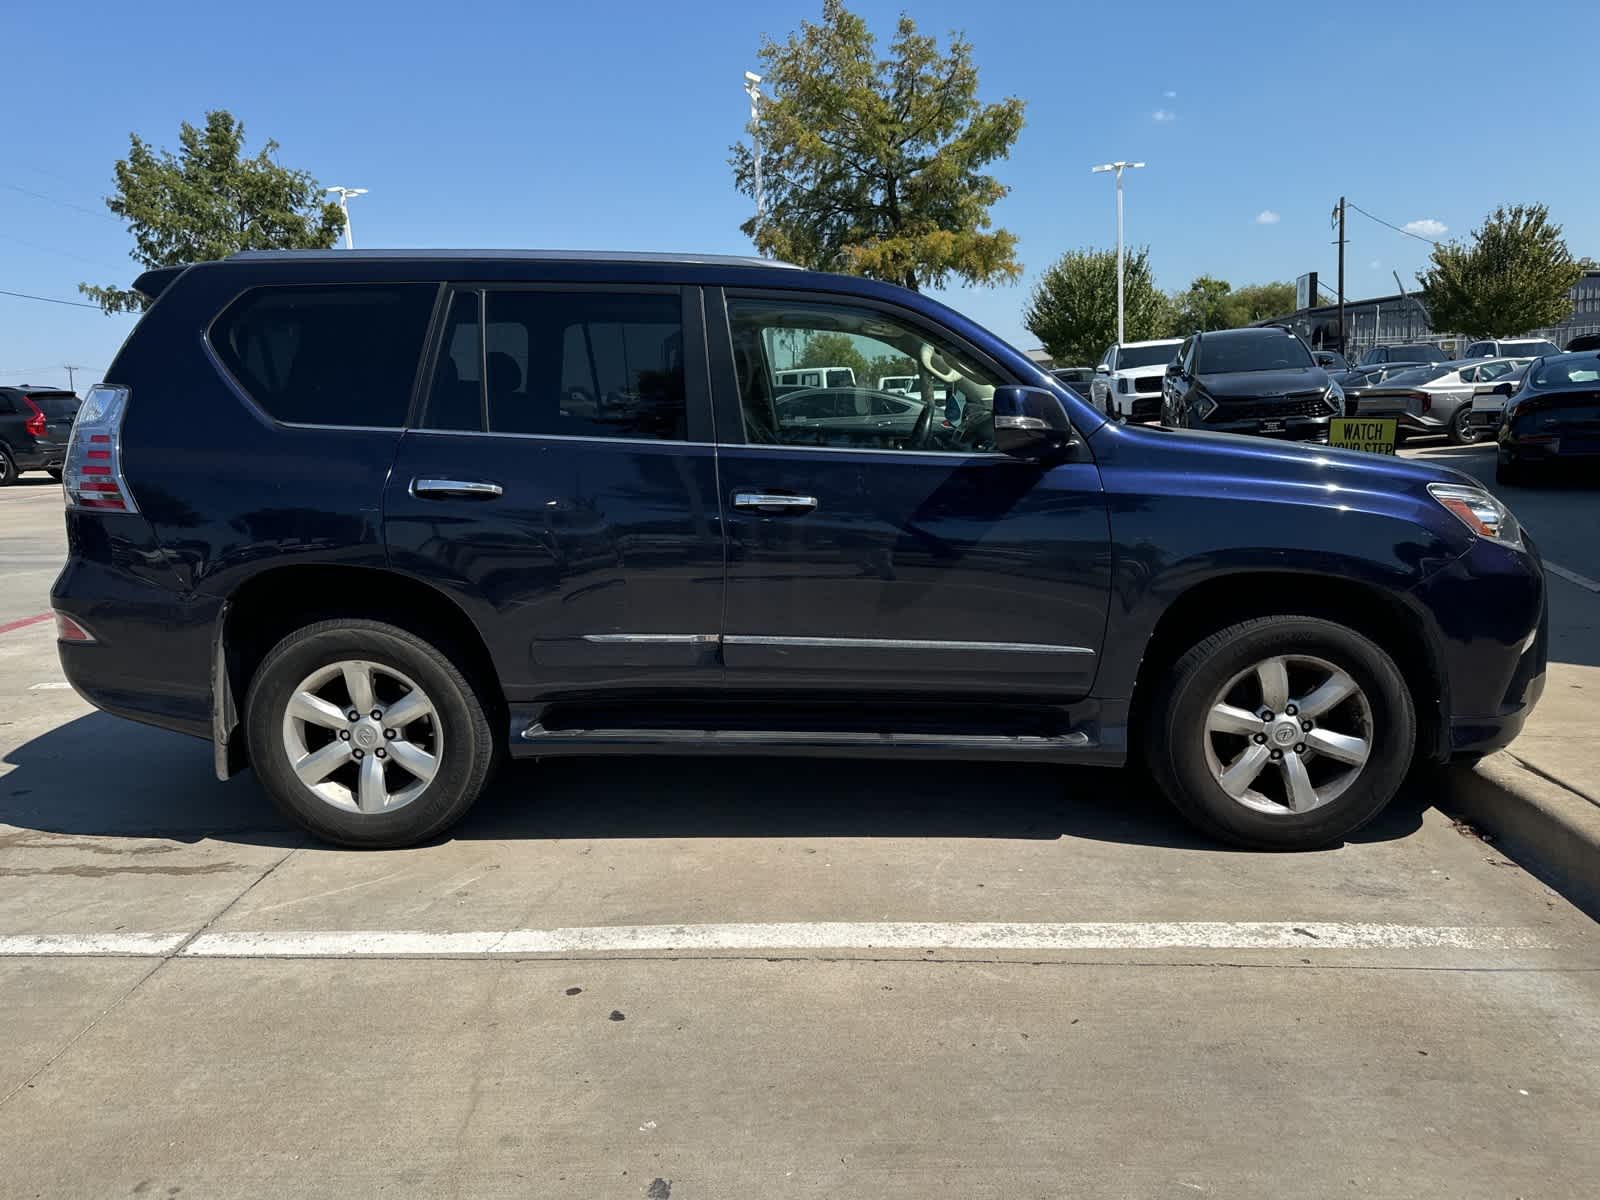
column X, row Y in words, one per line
column 1565, row 371
column 56, row 406
column 1146, row 356
column 1269, row 350
column 1528, row 349
column 1413, row 376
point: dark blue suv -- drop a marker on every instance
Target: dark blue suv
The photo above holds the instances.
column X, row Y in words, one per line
column 372, row 521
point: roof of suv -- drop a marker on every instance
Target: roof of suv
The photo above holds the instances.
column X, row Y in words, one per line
column 612, row 256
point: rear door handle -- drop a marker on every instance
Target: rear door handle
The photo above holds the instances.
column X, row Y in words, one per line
column 769, row 502
column 455, row 489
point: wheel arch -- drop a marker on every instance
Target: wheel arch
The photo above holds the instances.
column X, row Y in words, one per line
column 1381, row 616
column 273, row 603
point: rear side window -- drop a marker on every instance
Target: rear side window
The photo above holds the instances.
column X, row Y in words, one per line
column 571, row 364
column 327, row 355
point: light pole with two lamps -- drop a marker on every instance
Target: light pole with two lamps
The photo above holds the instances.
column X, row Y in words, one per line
column 344, row 195
column 1118, row 167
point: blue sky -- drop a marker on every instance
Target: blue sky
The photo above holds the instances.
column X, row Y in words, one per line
column 607, row 125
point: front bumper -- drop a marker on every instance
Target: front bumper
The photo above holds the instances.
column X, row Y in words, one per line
column 1293, row 429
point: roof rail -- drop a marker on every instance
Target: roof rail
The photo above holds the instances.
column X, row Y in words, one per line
column 624, row 256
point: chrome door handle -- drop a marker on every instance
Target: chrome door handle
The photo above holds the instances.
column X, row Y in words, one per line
column 455, row 489
column 770, row 503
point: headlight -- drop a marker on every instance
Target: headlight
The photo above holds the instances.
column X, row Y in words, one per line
column 1124, row 384
column 1334, row 397
column 1479, row 512
column 1204, row 406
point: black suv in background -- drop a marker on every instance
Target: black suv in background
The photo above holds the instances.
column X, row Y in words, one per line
column 34, row 425
column 1261, row 381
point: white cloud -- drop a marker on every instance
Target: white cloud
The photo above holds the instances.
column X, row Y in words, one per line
column 1427, row 227
column 1164, row 115
column 1267, row 217
column 1170, row 95
column 1376, row 264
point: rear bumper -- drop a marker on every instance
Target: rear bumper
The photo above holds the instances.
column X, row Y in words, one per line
column 151, row 658
column 38, row 457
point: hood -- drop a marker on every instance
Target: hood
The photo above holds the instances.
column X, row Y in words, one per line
column 1250, row 385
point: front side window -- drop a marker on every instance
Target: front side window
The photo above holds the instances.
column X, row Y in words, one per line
column 345, row 354
column 942, row 400
column 568, row 364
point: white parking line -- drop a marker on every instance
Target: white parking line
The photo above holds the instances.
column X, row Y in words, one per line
column 777, row 937
column 1582, row 581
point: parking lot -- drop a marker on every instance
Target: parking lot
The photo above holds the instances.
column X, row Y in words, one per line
column 689, row 978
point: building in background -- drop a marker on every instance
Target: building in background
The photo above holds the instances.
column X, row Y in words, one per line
column 1395, row 320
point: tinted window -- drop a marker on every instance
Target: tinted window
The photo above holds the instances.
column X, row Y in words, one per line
column 1145, row 356
column 327, row 355
column 1266, row 351
column 948, row 404
column 1566, row 371
column 1480, row 350
column 573, row 364
column 56, row 406
column 1528, row 349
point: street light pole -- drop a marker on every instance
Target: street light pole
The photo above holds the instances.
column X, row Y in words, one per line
column 344, row 195
column 752, row 88
column 1118, row 167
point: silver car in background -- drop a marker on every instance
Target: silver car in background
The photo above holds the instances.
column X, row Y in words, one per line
column 1438, row 399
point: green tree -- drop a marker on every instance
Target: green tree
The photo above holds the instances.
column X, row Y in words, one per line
column 1259, row 301
column 208, row 201
column 1516, row 275
column 875, row 166
column 1205, row 304
column 834, row 350
column 885, row 365
column 1073, row 308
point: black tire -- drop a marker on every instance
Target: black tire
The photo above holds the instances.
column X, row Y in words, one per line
column 8, row 468
column 464, row 765
column 1461, row 431
column 1510, row 474
column 1175, row 738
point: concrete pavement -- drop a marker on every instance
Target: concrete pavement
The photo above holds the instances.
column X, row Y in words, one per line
column 1416, row 1018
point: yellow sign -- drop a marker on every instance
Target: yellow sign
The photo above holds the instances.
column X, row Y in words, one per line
column 1376, row 435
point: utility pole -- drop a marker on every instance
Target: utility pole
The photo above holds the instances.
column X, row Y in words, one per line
column 752, row 88
column 344, row 195
column 1118, row 167
column 69, row 368
column 1338, row 215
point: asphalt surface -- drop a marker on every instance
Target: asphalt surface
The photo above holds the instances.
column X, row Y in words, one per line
column 678, row 979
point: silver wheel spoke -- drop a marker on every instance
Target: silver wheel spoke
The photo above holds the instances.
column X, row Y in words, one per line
column 373, row 795
column 358, row 678
column 410, row 707
column 1236, row 780
column 1226, row 718
column 1341, row 747
column 1302, row 794
column 414, row 759
column 317, row 711
column 319, row 764
column 1274, row 677
column 1336, row 688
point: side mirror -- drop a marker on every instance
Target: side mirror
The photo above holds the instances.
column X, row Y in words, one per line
column 1029, row 422
column 1174, row 370
column 1503, row 389
column 1102, row 369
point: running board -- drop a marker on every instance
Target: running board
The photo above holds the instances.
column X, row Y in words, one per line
column 533, row 740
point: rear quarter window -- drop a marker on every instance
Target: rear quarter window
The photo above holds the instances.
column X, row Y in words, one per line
column 342, row 354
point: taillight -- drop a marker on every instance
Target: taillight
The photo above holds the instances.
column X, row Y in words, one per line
column 92, row 475
column 68, row 630
column 34, row 424
column 1423, row 398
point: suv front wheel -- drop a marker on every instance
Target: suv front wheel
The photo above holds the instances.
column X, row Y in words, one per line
column 366, row 735
column 1282, row 733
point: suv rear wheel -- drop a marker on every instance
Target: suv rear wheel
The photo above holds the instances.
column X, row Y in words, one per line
column 8, row 468
column 366, row 735
column 1282, row 733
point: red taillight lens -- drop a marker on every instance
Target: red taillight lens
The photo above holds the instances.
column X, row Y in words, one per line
column 68, row 630
column 34, row 424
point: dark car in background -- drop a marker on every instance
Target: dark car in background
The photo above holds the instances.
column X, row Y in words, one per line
column 1261, row 381
column 1553, row 419
column 1079, row 379
column 34, row 425
column 1331, row 360
column 1416, row 353
column 425, row 511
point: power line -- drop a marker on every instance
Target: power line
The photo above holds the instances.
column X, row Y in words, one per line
column 49, row 300
column 1394, row 227
column 57, row 200
column 10, row 237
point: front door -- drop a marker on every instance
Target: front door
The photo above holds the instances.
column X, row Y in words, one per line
column 873, row 555
column 560, row 484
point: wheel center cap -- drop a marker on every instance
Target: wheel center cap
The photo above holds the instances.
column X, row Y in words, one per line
column 1285, row 733
column 367, row 735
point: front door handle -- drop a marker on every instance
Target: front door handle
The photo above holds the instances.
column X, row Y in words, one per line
column 455, row 489
column 769, row 502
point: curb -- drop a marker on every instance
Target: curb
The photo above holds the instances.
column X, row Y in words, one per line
column 1543, row 825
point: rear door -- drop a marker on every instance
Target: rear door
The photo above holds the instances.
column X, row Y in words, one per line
column 560, row 482
column 900, row 560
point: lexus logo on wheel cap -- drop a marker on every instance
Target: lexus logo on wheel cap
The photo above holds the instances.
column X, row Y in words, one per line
column 366, row 737
column 1284, row 734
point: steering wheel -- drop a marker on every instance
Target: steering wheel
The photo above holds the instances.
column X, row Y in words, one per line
column 918, row 437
